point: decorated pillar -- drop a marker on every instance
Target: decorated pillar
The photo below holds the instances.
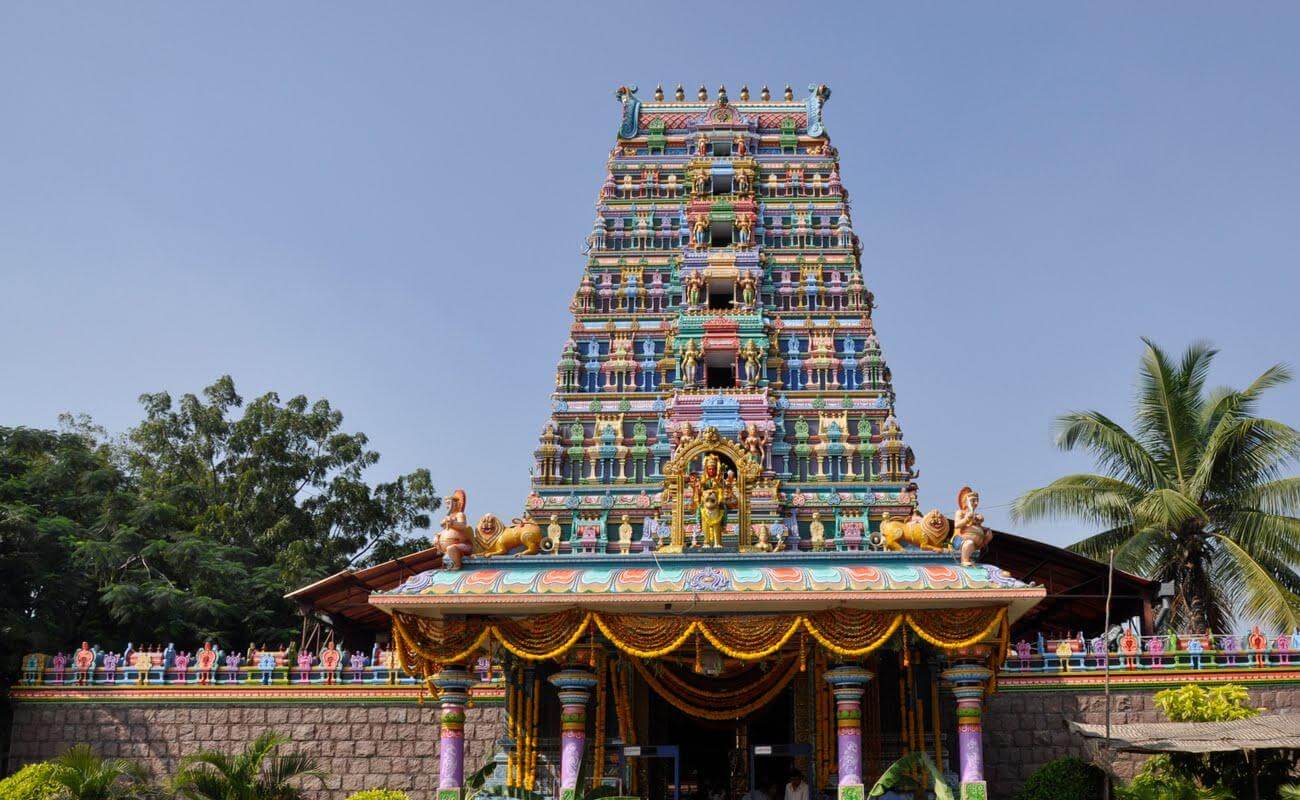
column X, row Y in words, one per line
column 575, row 687
column 848, row 682
column 453, row 693
column 968, row 679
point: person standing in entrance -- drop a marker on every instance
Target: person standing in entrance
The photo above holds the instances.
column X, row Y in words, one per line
column 796, row 789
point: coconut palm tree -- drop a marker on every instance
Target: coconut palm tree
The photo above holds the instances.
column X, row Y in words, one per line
column 258, row 773
column 1196, row 493
column 86, row 776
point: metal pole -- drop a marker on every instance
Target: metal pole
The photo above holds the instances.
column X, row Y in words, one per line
column 1110, row 583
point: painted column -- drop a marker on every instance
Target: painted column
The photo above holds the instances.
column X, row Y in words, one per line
column 848, row 683
column 968, row 681
column 575, row 687
column 453, row 693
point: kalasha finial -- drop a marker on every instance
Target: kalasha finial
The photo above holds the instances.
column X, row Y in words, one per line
column 659, row 92
column 765, row 94
column 744, row 92
column 789, row 93
column 680, row 94
column 722, row 94
column 703, row 94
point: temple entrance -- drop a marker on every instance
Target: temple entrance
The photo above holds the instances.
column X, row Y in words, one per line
column 716, row 755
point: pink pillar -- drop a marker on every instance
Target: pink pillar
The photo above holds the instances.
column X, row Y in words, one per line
column 575, row 687
column 453, row 693
column 968, row 680
column 848, row 683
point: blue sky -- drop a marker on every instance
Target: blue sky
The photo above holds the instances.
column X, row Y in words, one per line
column 384, row 204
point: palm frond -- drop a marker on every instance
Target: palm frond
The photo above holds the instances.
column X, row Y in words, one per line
column 1252, row 589
column 1091, row 498
column 1169, row 510
column 1243, row 452
column 1168, row 407
column 1120, row 454
column 1099, row 546
column 1281, row 496
column 1258, row 532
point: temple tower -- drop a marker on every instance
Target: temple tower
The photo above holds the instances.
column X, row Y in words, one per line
column 723, row 292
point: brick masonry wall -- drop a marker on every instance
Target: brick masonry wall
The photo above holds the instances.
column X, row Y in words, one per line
column 1025, row 730
column 360, row 746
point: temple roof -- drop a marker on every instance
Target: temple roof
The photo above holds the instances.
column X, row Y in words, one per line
column 717, row 582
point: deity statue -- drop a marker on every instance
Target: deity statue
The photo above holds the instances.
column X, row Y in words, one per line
column 753, row 362
column 625, row 536
column 683, row 435
column 712, row 488
column 740, row 150
column 690, row 357
column 553, row 533
column 700, row 231
column 755, row 442
column 818, row 531
column 748, row 288
column 763, row 536
column 968, row 526
column 83, row 663
column 456, row 538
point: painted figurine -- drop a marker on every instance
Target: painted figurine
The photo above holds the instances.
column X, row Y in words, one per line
column 968, row 526
column 456, row 539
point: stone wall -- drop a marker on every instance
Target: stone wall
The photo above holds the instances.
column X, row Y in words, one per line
column 360, row 746
column 1025, row 730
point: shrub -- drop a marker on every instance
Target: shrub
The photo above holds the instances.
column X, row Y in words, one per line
column 33, row 782
column 1195, row 703
column 1064, row 779
column 379, row 794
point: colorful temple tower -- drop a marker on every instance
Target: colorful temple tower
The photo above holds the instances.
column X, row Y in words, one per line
column 723, row 292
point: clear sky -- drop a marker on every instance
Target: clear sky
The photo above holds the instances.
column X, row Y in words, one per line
column 384, row 204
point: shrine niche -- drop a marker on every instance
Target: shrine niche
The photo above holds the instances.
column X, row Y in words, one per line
column 720, row 475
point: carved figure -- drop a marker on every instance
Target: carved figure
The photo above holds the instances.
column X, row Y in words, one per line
column 764, row 539
column 330, row 659
column 456, row 539
column 755, row 442
column 690, row 357
column 496, row 541
column 83, row 663
column 206, row 662
column 553, row 533
column 625, row 536
column 712, row 488
column 817, row 531
column 968, row 526
column 928, row 533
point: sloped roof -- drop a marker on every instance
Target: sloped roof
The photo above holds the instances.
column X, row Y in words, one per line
column 1269, row 732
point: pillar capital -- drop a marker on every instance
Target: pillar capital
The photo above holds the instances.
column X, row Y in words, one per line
column 575, row 685
column 453, row 685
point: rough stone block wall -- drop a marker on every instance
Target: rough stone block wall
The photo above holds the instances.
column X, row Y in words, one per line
column 360, row 746
column 1025, row 730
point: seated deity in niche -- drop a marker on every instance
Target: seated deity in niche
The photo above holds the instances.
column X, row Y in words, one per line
column 713, row 488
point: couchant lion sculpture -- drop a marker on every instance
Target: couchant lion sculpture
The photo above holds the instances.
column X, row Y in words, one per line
column 928, row 533
column 494, row 540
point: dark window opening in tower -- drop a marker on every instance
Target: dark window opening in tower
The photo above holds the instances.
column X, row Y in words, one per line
column 720, row 234
column 721, row 295
column 722, row 184
column 720, row 377
column 720, row 149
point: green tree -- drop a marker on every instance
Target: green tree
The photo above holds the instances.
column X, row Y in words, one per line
column 1196, row 489
column 57, row 490
column 236, row 509
column 86, row 776
column 260, row 772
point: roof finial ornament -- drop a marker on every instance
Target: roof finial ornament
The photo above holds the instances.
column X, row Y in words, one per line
column 722, row 94
column 659, row 92
column 680, row 94
column 703, row 94
column 765, row 94
column 789, row 93
column 744, row 93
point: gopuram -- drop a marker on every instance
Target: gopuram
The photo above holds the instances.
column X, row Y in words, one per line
column 721, row 573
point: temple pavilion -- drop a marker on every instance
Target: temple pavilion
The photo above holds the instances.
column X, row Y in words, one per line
column 721, row 574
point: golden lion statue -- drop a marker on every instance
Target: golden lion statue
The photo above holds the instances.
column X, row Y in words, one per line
column 494, row 540
column 928, row 533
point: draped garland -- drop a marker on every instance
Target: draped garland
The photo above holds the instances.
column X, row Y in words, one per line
column 423, row 645
column 774, row 687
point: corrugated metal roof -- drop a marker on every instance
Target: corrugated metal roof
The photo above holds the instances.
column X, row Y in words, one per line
column 1268, row 732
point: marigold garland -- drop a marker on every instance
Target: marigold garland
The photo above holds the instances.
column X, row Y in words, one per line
column 713, row 713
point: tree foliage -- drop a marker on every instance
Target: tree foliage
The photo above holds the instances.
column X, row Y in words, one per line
column 260, row 772
column 1195, row 703
column 1196, row 493
column 1064, row 779
column 194, row 525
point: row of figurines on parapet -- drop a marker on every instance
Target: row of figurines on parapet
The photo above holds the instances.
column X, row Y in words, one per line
column 758, row 179
column 813, row 288
column 209, row 665
column 803, row 529
column 598, row 452
column 742, row 233
column 1126, row 648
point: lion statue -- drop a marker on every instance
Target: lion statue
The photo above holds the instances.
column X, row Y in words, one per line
column 928, row 533
column 492, row 539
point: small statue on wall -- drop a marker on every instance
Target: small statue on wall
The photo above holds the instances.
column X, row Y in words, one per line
column 553, row 533
column 455, row 540
column 817, row 532
column 755, row 442
column 625, row 535
column 969, row 533
column 690, row 358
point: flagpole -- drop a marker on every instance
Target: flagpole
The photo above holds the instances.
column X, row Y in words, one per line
column 1105, row 636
